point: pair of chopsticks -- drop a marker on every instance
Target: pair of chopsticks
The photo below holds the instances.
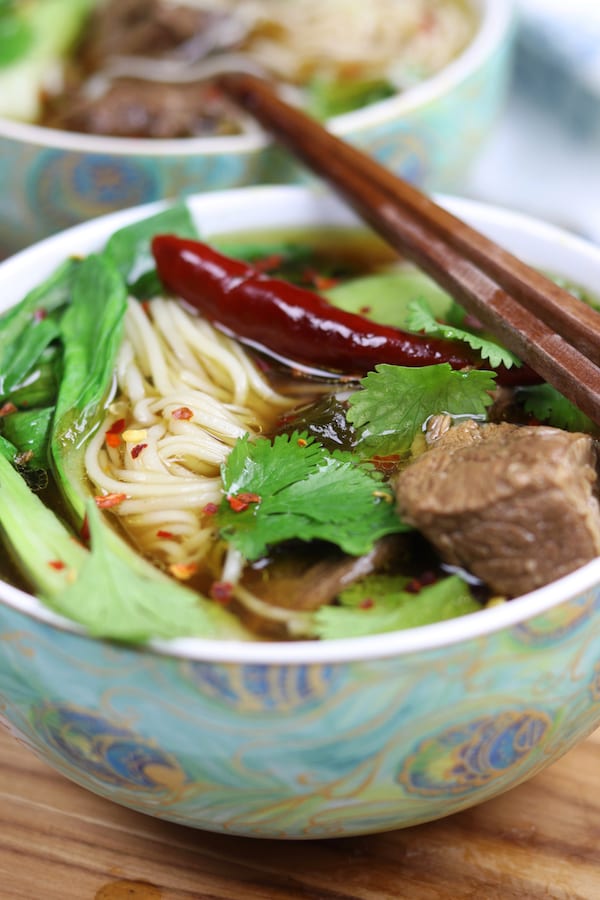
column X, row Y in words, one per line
column 548, row 328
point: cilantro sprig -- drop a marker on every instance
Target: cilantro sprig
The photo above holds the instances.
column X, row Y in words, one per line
column 548, row 405
column 420, row 318
column 396, row 401
column 295, row 488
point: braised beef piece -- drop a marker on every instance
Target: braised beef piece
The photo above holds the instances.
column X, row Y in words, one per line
column 131, row 108
column 516, row 506
column 304, row 579
column 140, row 28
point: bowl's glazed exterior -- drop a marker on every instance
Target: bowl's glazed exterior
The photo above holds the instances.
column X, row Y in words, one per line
column 309, row 739
column 305, row 750
column 51, row 180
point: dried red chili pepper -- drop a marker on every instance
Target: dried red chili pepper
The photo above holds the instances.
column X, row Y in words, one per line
column 287, row 320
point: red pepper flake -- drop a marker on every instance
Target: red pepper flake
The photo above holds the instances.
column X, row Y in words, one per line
column 386, row 464
column 428, row 578
column 39, row 315
column 7, row 409
column 323, row 283
column 184, row 412
column 85, row 530
column 221, row 591
column 113, row 435
column 365, row 310
column 145, row 304
column 472, row 323
column 309, row 276
column 212, row 94
column 240, row 502
column 429, row 21
column 366, row 603
column 417, row 584
column 285, row 419
column 109, row 500
column 57, row 564
column 167, row 535
column 210, row 509
column 268, row 263
column 302, row 442
column 183, row 571
column 135, row 451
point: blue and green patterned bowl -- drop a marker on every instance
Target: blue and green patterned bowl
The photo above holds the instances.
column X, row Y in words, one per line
column 312, row 739
column 51, row 180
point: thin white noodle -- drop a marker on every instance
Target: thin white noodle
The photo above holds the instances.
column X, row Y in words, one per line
column 186, row 393
column 297, row 623
column 297, row 40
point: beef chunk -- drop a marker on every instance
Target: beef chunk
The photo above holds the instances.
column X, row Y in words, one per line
column 516, row 506
column 135, row 107
column 302, row 579
column 132, row 108
column 140, row 28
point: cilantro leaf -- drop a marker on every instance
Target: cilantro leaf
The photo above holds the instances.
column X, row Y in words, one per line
column 302, row 491
column 379, row 604
column 421, row 318
column 548, row 405
column 396, row 401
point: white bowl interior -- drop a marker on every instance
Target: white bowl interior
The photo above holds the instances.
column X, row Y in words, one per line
column 541, row 245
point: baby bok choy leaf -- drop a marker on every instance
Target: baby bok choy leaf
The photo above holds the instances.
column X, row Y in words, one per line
column 30, row 327
column 35, row 38
column 91, row 331
column 381, row 603
column 110, row 589
column 97, row 588
column 130, row 247
column 28, row 431
column 41, row 545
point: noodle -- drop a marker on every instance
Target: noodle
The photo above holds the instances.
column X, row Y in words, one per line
column 401, row 40
column 185, row 394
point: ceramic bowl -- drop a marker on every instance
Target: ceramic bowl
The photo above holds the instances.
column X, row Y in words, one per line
column 51, row 180
column 309, row 739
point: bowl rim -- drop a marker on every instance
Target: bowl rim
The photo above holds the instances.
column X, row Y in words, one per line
column 395, row 644
column 495, row 26
column 478, row 625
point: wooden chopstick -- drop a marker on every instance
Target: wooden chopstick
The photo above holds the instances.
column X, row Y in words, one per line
column 545, row 326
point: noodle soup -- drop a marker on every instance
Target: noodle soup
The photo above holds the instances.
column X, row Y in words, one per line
column 140, row 69
column 230, row 470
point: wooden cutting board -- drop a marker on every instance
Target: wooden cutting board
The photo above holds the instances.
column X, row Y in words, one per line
column 59, row 842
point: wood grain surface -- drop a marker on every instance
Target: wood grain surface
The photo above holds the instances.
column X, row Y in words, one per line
column 59, row 842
